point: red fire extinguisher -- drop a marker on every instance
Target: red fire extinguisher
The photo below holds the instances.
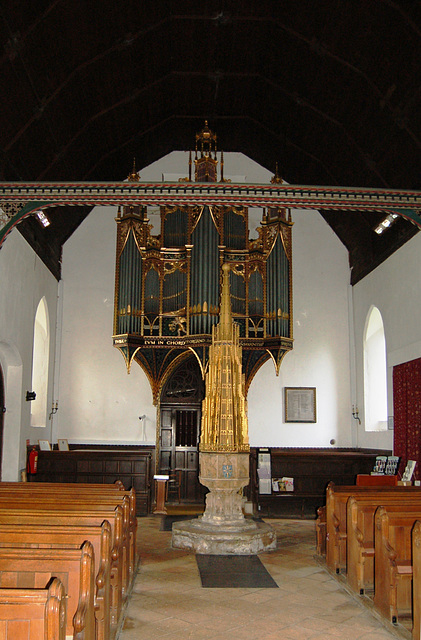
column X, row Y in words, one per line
column 32, row 461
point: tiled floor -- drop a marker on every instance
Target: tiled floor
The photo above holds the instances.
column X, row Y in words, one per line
column 168, row 601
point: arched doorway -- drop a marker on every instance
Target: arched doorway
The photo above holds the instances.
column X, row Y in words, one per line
column 2, row 412
column 180, row 415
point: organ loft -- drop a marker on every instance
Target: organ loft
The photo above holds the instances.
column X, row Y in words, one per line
column 168, row 286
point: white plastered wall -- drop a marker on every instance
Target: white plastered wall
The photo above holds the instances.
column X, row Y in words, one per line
column 24, row 281
column 99, row 402
column 320, row 357
column 395, row 289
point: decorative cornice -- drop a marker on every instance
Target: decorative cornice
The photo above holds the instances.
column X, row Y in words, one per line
column 89, row 193
column 38, row 195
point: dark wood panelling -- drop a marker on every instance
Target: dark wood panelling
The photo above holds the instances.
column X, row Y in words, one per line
column 312, row 470
column 134, row 467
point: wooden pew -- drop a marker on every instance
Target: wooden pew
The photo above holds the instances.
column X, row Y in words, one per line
column 64, row 518
column 117, row 488
column 33, row 614
column 59, row 536
column 95, row 494
column 109, row 491
column 360, row 535
column 393, row 566
column 336, row 517
column 416, row 581
column 85, row 502
column 33, row 568
column 74, row 487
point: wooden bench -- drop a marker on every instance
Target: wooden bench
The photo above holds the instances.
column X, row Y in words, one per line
column 33, row 614
column 117, row 488
column 85, row 502
column 64, row 518
column 97, row 493
column 59, row 536
column 360, row 535
column 336, row 517
column 393, row 566
column 34, row 568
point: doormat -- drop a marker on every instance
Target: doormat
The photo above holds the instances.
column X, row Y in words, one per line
column 168, row 521
column 234, row 572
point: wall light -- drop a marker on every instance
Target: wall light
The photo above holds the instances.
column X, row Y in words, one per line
column 386, row 223
column 356, row 414
column 42, row 218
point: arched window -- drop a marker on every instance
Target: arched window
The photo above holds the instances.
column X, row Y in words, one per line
column 375, row 373
column 40, row 359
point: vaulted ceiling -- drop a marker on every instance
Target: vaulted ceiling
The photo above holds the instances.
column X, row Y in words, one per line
column 330, row 90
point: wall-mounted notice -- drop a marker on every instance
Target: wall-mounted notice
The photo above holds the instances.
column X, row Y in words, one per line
column 264, row 471
column 300, row 404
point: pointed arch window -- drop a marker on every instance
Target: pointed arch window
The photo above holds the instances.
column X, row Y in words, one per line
column 375, row 373
column 40, row 360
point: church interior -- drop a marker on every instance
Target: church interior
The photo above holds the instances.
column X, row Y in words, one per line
column 143, row 147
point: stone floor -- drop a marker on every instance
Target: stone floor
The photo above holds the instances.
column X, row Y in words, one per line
column 168, row 601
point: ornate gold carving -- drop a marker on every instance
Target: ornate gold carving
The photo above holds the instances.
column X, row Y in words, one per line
column 238, row 269
column 277, row 179
column 133, row 176
column 195, row 216
column 257, row 245
column 205, row 162
column 217, row 216
column 271, row 233
column 224, row 413
column 179, row 325
column 286, row 239
column 171, row 267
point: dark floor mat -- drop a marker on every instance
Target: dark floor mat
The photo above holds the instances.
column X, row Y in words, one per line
column 168, row 521
column 234, row 572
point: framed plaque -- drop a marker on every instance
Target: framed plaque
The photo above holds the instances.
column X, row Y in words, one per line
column 44, row 445
column 300, row 404
column 63, row 445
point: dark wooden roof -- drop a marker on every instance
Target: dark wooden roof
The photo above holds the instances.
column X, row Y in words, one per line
column 329, row 90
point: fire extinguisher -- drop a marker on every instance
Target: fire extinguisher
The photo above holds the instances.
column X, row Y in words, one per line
column 32, row 461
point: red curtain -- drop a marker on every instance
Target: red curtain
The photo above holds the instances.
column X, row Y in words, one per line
column 407, row 414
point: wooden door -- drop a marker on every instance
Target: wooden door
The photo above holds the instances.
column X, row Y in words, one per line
column 180, row 429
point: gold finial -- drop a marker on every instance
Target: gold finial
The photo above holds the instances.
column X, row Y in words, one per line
column 133, row 176
column 206, row 135
column 224, row 409
column 205, row 155
column 277, row 179
column 225, row 318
